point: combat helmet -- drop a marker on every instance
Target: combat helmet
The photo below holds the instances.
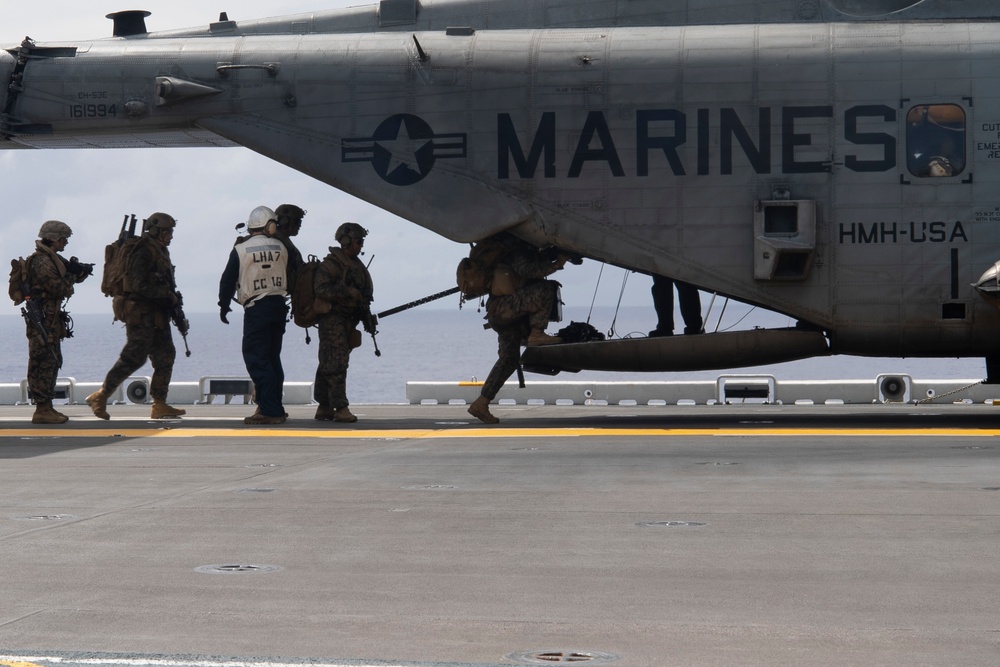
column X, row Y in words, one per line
column 53, row 230
column 289, row 218
column 158, row 222
column 259, row 217
column 350, row 230
column 290, row 211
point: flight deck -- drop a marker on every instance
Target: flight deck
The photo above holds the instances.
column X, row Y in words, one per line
column 585, row 534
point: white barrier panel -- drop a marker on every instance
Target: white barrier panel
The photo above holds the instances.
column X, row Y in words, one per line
column 135, row 390
column 733, row 389
column 575, row 393
column 725, row 389
column 229, row 387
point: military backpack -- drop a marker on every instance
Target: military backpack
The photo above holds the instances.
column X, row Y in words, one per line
column 474, row 275
column 116, row 256
column 18, row 289
column 306, row 306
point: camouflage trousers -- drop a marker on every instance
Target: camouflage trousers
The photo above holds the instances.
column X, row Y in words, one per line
column 512, row 318
column 145, row 341
column 44, row 361
column 335, row 331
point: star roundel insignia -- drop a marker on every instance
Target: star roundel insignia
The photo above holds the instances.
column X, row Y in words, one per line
column 403, row 149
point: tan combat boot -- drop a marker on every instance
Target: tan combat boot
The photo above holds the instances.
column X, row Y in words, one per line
column 324, row 413
column 44, row 414
column 260, row 418
column 161, row 410
column 538, row 337
column 344, row 415
column 98, row 402
column 480, row 409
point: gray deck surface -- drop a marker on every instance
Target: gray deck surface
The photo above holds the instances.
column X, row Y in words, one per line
column 722, row 535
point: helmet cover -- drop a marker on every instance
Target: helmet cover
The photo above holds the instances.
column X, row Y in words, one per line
column 53, row 230
column 350, row 229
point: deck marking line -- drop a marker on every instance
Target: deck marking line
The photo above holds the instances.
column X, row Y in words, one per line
column 41, row 661
column 420, row 434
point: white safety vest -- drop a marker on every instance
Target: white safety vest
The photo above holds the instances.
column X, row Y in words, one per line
column 263, row 269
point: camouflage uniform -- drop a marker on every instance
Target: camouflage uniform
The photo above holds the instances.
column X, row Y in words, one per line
column 512, row 317
column 345, row 282
column 518, row 312
column 150, row 296
column 50, row 285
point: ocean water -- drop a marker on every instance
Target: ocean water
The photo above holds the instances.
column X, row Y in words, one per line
column 432, row 344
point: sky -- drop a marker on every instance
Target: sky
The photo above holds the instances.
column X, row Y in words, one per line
column 210, row 190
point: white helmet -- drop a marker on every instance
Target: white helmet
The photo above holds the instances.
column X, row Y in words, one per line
column 259, row 217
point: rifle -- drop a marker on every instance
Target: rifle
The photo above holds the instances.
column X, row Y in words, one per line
column 180, row 321
column 129, row 232
column 81, row 270
column 419, row 302
column 32, row 313
column 370, row 322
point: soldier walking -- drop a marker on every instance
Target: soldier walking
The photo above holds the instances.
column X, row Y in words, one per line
column 149, row 303
column 343, row 280
column 50, row 280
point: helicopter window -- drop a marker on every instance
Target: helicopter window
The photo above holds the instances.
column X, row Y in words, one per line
column 935, row 140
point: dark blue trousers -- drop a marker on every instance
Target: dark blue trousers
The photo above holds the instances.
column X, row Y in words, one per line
column 263, row 331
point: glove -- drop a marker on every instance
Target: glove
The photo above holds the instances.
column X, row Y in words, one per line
column 222, row 315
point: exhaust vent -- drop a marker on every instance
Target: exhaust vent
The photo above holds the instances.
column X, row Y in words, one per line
column 129, row 23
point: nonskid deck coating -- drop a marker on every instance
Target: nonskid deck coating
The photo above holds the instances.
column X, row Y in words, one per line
column 758, row 535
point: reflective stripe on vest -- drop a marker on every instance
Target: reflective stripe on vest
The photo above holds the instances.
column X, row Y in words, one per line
column 263, row 269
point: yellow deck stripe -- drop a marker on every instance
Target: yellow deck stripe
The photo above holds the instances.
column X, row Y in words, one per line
column 500, row 432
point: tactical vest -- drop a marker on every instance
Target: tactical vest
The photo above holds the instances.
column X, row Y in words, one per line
column 263, row 269
column 45, row 253
column 351, row 272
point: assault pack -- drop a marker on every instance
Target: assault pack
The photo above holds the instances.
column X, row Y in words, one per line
column 306, row 307
column 116, row 256
column 18, row 288
column 475, row 272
